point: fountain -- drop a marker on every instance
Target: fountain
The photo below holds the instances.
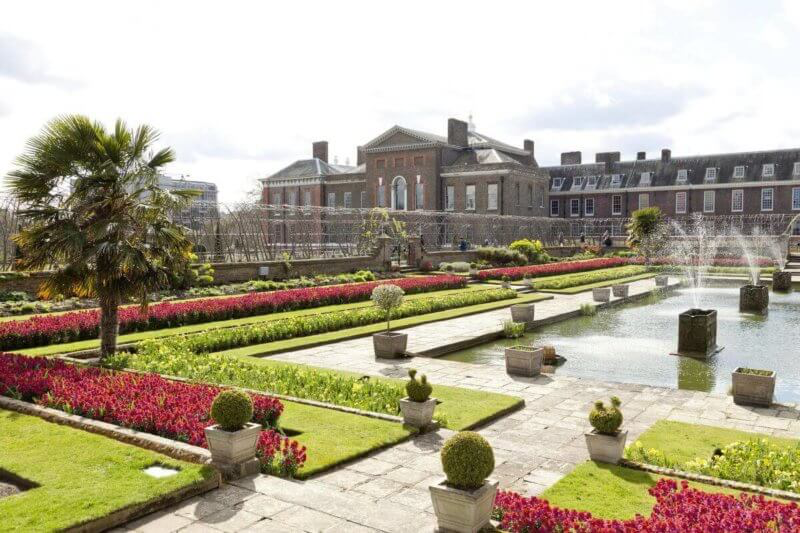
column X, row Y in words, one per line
column 753, row 297
column 781, row 280
column 697, row 333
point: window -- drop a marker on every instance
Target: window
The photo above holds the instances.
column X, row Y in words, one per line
column 419, row 160
column 767, row 170
column 331, row 199
column 644, row 200
column 306, row 197
column 419, row 196
column 380, row 163
column 711, row 174
column 737, row 201
column 277, row 198
column 795, row 198
column 796, row 169
column 557, row 183
column 588, row 207
column 680, row 203
column 683, row 176
column 348, row 199
column 554, row 208
column 767, row 199
column 708, row 201
column 541, row 201
column 738, row 172
column 530, row 195
column 577, row 182
column 591, row 182
column 381, row 195
column 291, row 197
column 516, row 191
column 469, row 203
column 363, row 198
column 398, row 162
column 616, row 180
column 575, row 207
column 450, row 198
column 399, row 193
column 645, row 178
column 491, row 196
column 616, row 204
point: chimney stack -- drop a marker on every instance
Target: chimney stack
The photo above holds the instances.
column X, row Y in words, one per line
column 607, row 158
column 666, row 155
column 457, row 133
column 528, row 145
column 319, row 150
column 359, row 155
column 641, row 156
column 570, row 158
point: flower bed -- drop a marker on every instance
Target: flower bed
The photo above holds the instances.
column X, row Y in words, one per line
column 79, row 325
column 586, row 278
column 552, row 269
column 144, row 402
column 683, row 509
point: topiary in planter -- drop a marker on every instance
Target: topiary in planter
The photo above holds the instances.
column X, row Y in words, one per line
column 467, row 460
column 606, row 420
column 232, row 409
column 418, row 391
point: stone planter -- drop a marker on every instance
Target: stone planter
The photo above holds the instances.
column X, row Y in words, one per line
column 417, row 414
column 390, row 344
column 473, row 272
column 782, row 281
column 697, row 332
column 601, row 295
column 506, row 284
column 620, row 291
column 753, row 389
column 606, row 448
column 464, row 511
column 662, row 280
column 523, row 313
column 524, row 360
column 753, row 299
column 234, row 452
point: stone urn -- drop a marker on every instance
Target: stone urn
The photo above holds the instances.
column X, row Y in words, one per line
column 782, row 281
column 524, row 360
column 620, row 291
column 753, row 387
column 753, row 299
column 390, row 344
column 697, row 332
column 606, row 448
column 602, row 294
column 662, row 280
column 466, row 511
column 417, row 414
column 523, row 313
column 234, row 452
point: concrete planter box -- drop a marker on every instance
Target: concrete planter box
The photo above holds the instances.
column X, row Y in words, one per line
column 697, row 332
column 523, row 313
column 601, row 295
column 753, row 389
column 620, row 291
column 417, row 414
column 524, row 360
column 390, row 344
column 662, row 280
column 506, row 284
column 463, row 511
column 782, row 281
column 234, row 452
column 606, row 448
column 753, row 299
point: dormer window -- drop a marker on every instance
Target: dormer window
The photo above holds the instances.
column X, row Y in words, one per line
column 711, row 174
column 683, row 176
column 616, row 180
column 577, row 182
column 591, row 182
column 767, row 170
column 645, row 178
column 557, row 183
column 738, row 172
column 796, row 169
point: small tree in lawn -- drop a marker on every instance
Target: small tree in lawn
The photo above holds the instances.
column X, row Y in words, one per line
column 94, row 212
column 387, row 298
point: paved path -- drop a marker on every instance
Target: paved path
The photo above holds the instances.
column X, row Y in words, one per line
column 388, row 491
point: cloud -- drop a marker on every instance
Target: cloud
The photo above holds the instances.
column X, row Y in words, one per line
column 23, row 61
column 621, row 105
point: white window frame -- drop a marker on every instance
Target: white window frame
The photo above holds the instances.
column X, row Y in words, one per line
column 291, row 198
column 734, row 194
column 771, row 197
column 589, row 212
column 795, row 198
column 306, row 198
column 678, row 209
column 557, row 184
column 709, row 201
column 711, row 174
column 616, row 180
column 646, row 197
column 491, row 205
column 768, row 170
column 683, row 176
column 277, row 198
column 591, row 182
column 554, row 202
column 645, row 179
column 347, row 200
column 419, row 195
column 616, row 210
column 450, row 198
column 573, row 203
column 738, row 172
column 381, row 195
column 577, row 183
column 331, row 199
column 469, row 198
column 363, row 198
column 796, row 169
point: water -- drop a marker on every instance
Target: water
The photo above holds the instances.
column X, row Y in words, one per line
column 633, row 343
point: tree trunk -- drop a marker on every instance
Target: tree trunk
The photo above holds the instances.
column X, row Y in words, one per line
column 109, row 326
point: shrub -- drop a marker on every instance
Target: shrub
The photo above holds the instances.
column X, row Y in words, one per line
column 387, row 298
column 513, row 330
column 418, row 391
column 533, row 251
column 606, row 420
column 232, row 409
column 585, row 278
column 588, row 309
column 446, row 267
column 426, row 266
column 467, row 460
column 501, row 256
column 457, row 266
column 565, row 267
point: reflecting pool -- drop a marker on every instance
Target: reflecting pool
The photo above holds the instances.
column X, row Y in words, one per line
column 633, row 343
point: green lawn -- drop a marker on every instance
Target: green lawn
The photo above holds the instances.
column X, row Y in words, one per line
column 81, row 476
column 589, row 286
column 333, row 437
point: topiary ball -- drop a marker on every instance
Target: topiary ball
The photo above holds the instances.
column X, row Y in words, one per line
column 232, row 409
column 467, row 460
column 606, row 420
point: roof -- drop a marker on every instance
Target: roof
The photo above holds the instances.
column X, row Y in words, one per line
column 483, row 156
column 479, row 140
column 422, row 136
column 310, row 168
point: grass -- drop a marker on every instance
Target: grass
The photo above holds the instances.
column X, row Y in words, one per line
column 589, row 286
column 81, row 476
column 333, row 437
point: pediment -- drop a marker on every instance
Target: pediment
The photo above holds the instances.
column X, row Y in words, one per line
column 399, row 136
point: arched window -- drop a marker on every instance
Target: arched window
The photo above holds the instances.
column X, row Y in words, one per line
column 399, row 189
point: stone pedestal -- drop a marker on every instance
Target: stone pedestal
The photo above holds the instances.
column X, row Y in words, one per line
column 753, row 299
column 781, row 281
column 697, row 332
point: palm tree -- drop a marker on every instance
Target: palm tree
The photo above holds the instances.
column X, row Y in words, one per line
column 94, row 212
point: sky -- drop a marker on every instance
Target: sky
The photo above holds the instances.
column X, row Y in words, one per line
column 242, row 89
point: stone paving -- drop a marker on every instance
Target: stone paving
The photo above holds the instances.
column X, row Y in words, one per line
column 388, row 490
